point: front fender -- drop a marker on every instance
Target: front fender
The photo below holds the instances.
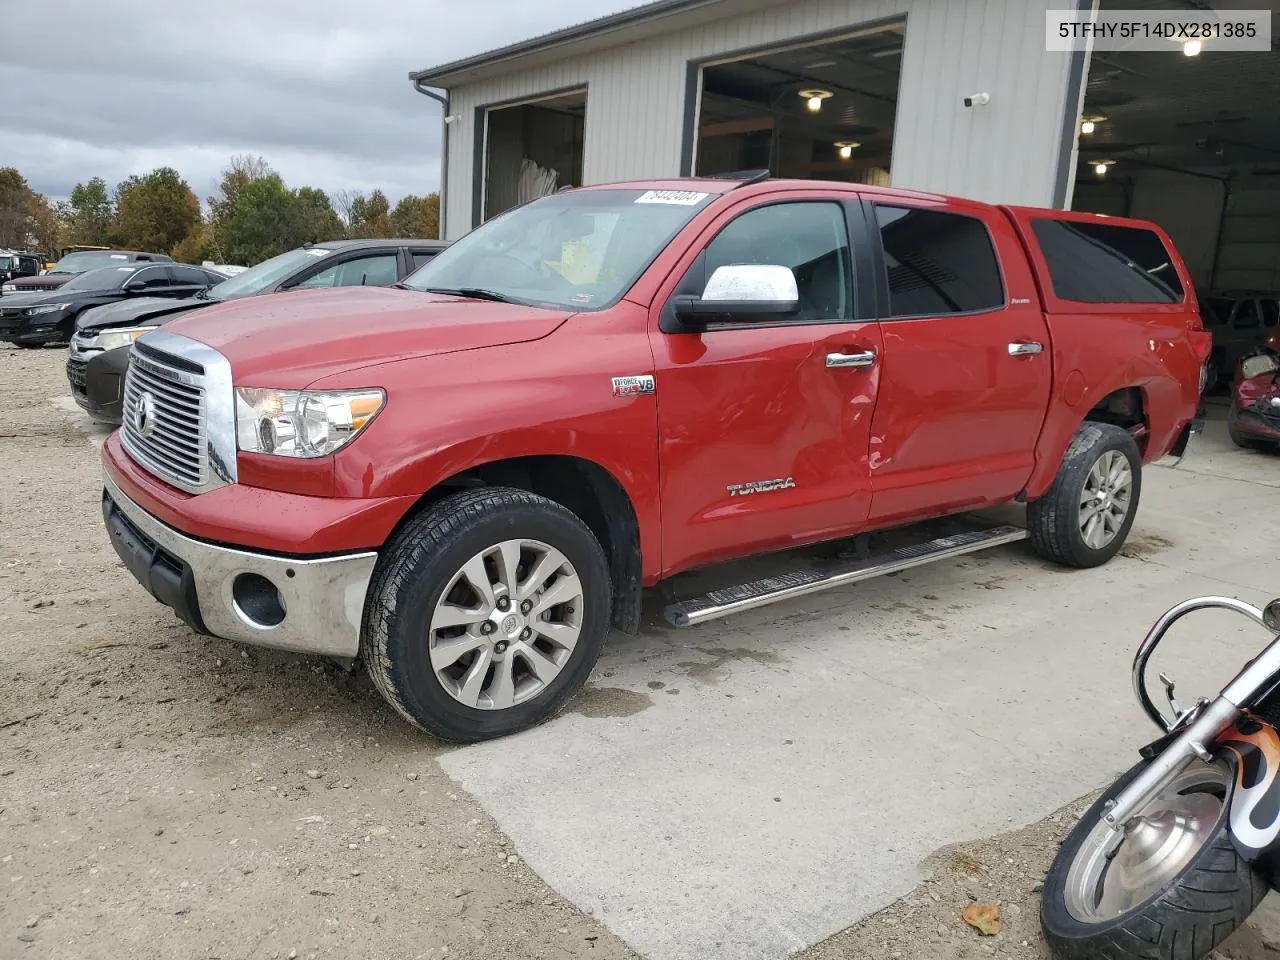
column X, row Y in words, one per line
column 449, row 414
column 1254, row 816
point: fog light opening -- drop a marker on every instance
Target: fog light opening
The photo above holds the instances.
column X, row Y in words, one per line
column 257, row 600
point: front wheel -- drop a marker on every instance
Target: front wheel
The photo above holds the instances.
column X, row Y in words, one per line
column 1170, row 887
column 486, row 613
column 1085, row 516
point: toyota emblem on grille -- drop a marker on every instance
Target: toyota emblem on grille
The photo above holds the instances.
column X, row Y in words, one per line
column 144, row 415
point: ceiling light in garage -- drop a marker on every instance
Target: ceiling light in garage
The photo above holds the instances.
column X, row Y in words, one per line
column 813, row 98
column 1192, row 48
column 1090, row 124
column 846, row 148
column 1100, row 168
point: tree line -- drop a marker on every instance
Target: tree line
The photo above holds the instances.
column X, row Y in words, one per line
column 253, row 216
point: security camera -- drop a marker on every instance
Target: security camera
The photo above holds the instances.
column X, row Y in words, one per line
column 977, row 99
column 452, row 118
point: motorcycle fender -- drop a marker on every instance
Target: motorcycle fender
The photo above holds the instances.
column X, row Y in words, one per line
column 1254, row 816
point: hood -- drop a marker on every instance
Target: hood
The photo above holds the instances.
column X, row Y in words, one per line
column 30, row 298
column 1263, row 387
column 290, row 340
column 50, row 281
column 137, row 311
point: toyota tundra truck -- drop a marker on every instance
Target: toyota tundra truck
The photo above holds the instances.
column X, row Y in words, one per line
column 466, row 480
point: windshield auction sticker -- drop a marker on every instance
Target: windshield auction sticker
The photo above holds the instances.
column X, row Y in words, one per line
column 679, row 198
column 1186, row 32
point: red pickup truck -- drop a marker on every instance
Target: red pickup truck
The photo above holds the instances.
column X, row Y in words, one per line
column 468, row 479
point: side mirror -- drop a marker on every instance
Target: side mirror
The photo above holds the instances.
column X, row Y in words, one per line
column 1256, row 366
column 1271, row 615
column 743, row 290
column 134, row 286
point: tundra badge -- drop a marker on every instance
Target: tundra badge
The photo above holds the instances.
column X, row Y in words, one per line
column 760, row 486
column 633, row 386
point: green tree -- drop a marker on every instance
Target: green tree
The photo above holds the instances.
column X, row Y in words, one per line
column 417, row 217
column 89, row 214
column 46, row 227
column 155, row 212
column 314, row 216
column 15, row 208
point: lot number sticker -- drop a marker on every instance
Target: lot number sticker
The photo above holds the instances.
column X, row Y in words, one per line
column 679, row 198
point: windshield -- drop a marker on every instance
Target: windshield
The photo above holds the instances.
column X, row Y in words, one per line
column 88, row 260
column 108, row 278
column 5, row 262
column 266, row 274
column 580, row 250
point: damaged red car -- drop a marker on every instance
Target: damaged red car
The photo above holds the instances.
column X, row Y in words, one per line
column 1254, row 420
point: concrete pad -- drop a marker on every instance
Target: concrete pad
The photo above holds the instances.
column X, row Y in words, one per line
column 749, row 787
column 96, row 431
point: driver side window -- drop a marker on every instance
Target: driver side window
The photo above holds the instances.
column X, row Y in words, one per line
column 810, row 237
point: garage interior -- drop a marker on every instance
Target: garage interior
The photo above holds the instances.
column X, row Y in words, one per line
column 822, row 110
column 1191, row 141
column 532, row 149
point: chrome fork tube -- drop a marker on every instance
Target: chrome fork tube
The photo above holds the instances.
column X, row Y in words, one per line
column 1192, row 745
column 1196, row 742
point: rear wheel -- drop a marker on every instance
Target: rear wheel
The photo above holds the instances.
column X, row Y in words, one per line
column 486, row 614
column 1170, row 887
column 1085, row 517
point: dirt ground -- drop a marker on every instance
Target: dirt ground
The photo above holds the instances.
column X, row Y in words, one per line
column 164, row 795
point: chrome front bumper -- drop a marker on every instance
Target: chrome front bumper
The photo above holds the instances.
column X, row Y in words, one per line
column 217, row 589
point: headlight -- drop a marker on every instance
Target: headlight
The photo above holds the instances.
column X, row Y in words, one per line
column 110, row 339
column 47, row 308
column 302, row 423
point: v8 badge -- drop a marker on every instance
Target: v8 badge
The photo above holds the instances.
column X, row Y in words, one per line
column 633, row 386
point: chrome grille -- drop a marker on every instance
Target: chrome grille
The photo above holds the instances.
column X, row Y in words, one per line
column 163, row 424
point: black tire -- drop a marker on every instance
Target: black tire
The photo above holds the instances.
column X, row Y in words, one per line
column 1053, row 520
column 28, row 346
column 412, row 573
column 1211, row 897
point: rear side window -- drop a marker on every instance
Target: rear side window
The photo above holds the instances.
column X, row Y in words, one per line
column 421, row 257
column 1104, row 263
column 1247, row 316
column 938, row 263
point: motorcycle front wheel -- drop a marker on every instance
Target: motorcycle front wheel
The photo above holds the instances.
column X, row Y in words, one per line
column 1171, row 887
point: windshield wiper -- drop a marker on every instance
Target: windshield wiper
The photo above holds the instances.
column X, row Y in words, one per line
column 474, row 293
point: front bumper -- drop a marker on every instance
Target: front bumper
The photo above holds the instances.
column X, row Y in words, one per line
column 96, row 380
column 24, row 331
column 1253, row 424
column 302, row 605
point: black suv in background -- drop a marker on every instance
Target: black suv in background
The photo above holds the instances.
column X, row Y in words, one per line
column 80, row 261
column 14, row 265
column 49, row 316
column 100, row 347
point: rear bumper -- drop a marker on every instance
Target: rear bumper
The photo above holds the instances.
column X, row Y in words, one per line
column 303, row 605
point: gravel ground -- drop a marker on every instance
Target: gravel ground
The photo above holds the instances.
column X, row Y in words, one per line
column 165, row 795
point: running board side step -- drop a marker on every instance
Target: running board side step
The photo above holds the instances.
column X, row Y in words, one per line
column 760, row 593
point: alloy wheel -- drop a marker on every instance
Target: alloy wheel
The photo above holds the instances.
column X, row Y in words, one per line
column 506, row 624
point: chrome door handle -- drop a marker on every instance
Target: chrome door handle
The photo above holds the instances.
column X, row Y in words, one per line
column 851, row 359
column 1025, row 349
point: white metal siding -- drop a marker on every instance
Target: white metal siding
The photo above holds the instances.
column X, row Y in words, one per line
column 1005, row 151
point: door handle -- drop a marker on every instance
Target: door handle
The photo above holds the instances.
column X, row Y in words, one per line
column 865, row 359
column 1025, row 349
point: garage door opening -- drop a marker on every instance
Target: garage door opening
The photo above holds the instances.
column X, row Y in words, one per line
column 532, row 149
column 1193, row 144
column 822, row 111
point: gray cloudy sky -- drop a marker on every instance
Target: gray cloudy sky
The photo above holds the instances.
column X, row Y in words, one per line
column 317, row 87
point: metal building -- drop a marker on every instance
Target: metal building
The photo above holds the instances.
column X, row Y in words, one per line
column 866, row 90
